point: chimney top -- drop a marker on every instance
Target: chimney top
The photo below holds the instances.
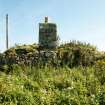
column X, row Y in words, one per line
column 46, row 19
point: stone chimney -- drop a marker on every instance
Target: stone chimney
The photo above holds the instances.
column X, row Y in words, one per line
column 46, row 19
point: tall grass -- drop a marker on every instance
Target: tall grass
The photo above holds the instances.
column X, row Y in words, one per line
column 52, row 86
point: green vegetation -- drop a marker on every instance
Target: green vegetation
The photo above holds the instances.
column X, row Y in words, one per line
column 51, row 86
column 76, row 78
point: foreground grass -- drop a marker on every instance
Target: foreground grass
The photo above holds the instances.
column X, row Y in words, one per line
column 52, row 86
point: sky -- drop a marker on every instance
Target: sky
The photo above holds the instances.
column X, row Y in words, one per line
column 82, row 20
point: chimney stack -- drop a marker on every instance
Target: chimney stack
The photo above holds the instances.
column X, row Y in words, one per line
column 46, row 19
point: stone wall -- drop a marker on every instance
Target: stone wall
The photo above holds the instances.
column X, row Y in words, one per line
column 32, row 59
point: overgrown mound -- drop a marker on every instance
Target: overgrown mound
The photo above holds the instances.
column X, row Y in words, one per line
column 72, row 54
column 40, row 83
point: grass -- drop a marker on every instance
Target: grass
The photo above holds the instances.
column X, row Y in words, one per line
column 51, row 86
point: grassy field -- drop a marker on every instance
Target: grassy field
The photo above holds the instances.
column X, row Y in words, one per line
column 53, row 86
